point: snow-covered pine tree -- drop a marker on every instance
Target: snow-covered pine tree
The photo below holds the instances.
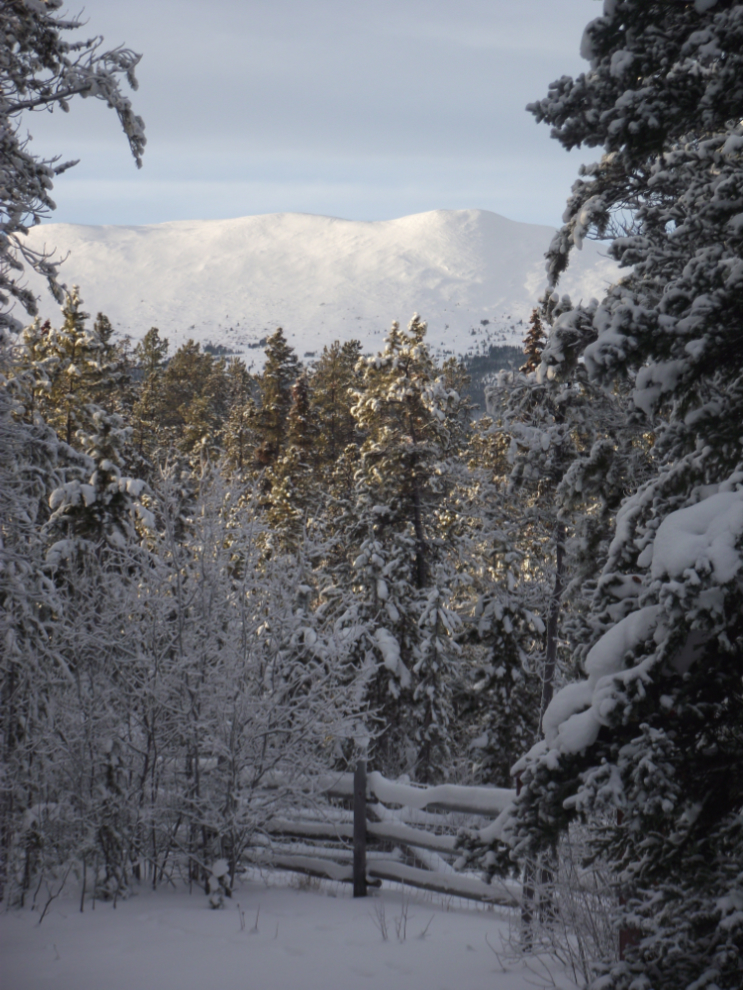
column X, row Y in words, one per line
column 403, row 549
column 73, row 378
column 501, row 673
column 565, row 453
column 61, row 626
column 648, row 747
column 30, row 461
column 76, row 368
column 42, row 70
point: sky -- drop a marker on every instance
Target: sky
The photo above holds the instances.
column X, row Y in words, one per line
column 365, row 110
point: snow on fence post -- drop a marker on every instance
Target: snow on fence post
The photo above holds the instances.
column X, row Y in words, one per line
column 359, row 830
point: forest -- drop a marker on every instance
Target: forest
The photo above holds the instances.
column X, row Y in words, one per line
column 212, row 579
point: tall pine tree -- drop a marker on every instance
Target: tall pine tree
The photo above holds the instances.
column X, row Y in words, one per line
column 648, row 746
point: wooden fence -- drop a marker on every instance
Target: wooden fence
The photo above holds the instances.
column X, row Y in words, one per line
column 375, row 829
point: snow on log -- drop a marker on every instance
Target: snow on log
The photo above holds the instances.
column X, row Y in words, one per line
column 451, row 797
column 454, row 884
column 488, row 801
column 389, row 831
column 314, row 867
column 404, row 834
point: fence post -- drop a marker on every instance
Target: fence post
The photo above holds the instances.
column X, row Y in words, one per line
column 359, row 830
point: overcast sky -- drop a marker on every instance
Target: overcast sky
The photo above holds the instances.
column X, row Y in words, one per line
column 362, row 109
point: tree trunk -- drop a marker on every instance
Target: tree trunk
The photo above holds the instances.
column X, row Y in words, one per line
column 550, row 658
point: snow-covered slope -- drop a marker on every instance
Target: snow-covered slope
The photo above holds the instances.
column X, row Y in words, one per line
column 232, row 281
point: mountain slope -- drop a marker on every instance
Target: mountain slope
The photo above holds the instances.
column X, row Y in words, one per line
column 470, row 273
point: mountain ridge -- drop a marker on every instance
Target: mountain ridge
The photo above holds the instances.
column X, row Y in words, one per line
column 472, row 275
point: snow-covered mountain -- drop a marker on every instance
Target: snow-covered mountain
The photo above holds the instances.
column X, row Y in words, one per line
column 472, row 274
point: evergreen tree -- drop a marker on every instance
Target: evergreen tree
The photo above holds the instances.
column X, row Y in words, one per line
column 74, row 377
column 292, row 477
column 239, row 440
column 44, row 71
column 333, row 377
column 499, row 693
column 194, row 402
column 648, row 746
column 77, row 369
column 31, row 459
column 403, row 569
column 280, row 371
column 148, row 412
column 533, row 342
column 151, row 353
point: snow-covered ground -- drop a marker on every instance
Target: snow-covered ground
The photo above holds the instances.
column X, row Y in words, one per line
column 471, row 274
column 270, row 936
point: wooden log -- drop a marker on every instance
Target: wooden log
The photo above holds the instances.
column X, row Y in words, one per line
column 409, row 836
column 314, row 867
column 486, row 801
column 396, row 832
column 454, row 884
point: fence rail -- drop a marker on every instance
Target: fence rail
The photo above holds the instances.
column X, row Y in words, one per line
column 391, row 822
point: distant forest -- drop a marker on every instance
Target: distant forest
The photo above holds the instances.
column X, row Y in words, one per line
column 483, row 368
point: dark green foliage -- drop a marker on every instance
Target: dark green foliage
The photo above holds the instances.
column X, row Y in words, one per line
column 533, row 343
column 280, row 371
column 334, row 375
column 483, row 368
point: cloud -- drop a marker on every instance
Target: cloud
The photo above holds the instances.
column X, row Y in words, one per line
column 305, row 96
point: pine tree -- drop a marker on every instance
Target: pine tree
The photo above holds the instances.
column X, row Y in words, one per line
column 30, row 469
column 403, row 568
column 333, row 377
column 148, row 412
column 151, row 353
column 499, row 693
column 533, row 343
column 280, row 371
column 239, row 440
column 74, row 378
column 77, row 369
column 44, row 71
column 647, row 748
column 193, row 405
column 293, row 478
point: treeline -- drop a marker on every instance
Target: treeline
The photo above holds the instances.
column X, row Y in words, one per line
column 211, row 578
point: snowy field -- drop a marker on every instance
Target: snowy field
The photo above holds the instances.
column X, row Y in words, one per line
column 278, row 936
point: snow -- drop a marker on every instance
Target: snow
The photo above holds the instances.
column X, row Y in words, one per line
column 391, row 655
column 320, row 278
column 484, row 801
column 607, row 655
column 265, row 938
column 701, row 537
column 621, row 62
column 576, row 713
column 566, row 702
